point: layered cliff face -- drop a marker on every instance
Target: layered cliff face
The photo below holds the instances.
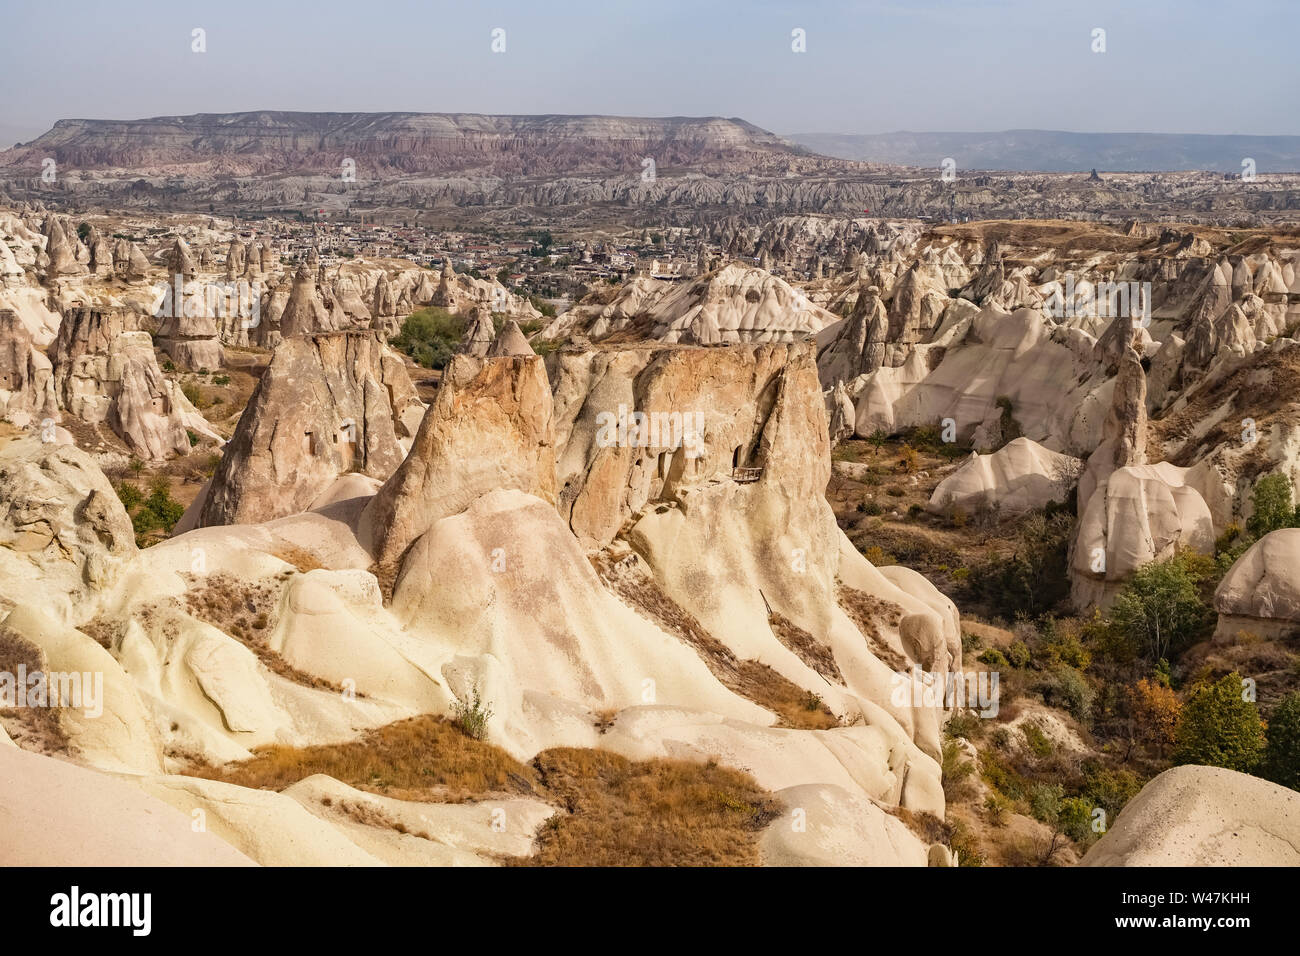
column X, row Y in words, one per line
column 403, row 143
column 326, row 405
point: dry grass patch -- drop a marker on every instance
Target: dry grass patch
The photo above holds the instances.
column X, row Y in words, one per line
column 650, row 813
column 750, row 679
column 38, row 729
column 303, row 560
column 246, row 610
column 868, row 612
column 808, row 649
column 423, row 758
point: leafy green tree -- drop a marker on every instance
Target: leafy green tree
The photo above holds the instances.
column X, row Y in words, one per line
column 1273, row 508
column 1035, row 578
column 1218, row 728
column 430, row 336
column 1160, row 608
column 1282, row 755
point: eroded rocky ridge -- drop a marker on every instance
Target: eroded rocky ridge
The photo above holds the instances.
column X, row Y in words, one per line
column 327, row 404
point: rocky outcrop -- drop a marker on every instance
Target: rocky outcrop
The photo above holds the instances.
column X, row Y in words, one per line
column 326, row 405
column 1204, row 816
column 129, row 263
column 236, row 260
column 180, row 261
column 105, row 371
column 1124, row 433
column 510, row 341
column 304, row 313
column 64, row 534
column 489, row 427
column 1260, row 593
column 61, row 249
column 1139, row 514
column 1020, row 476
column 479, row 335
column 27, row 393
column 858, row 346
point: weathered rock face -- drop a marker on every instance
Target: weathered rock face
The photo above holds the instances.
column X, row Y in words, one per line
column 304, row 313
column 327, row 404
column 63, row 532
column 61, row 248
column 105, row 371
column 1139, row 514
column 236, row 259
column 729, row 516
column 510, row 341
column 489, row 427
column 1204, row 816
column 1124, row 433
column 180, row 261
column 1260, row 593
column 479, row 335
column 191, row 341
column 26, row 376
column 858, row 346
column 974, row 362
column 1020, row 476
column 80, row 354
column 129, row 262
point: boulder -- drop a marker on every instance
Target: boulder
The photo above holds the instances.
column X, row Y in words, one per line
column 1204, row 817
column 1261, row 592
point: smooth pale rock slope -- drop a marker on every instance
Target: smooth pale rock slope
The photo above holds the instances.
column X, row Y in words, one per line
column 1204, row 816
column 1020, row 476
column 595, row 593
column 59, row 814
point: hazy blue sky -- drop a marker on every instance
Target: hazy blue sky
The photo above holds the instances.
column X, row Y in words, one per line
column 1187, row 66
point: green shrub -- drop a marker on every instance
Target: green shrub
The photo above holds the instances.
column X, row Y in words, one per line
column 1066, row 688
column 430, row 336
column 1018, row 654
column 1075, row 820
column 1035, row 578
column 1160, row 609
column 1282, row 754
column 1273, row 508
column 1038, row 742
column 129, row 494
column 1218, row 728
column 968, row 726
column 993, row 658
column 1109, row 789
column 472, row 716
